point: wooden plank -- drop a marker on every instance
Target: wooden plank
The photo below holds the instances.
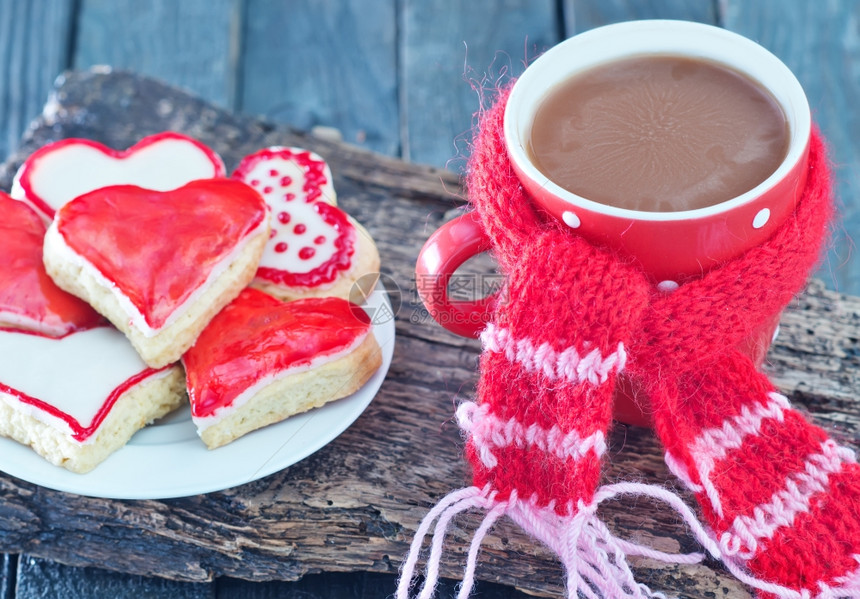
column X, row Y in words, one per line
column 355, row 505
column 38, row 578
column 7, row 575
column 820, row 43
column 452, row 53
column 581, row 15
column 329, row 63
column 351, row 585
column 34, row 47
column 191, row 44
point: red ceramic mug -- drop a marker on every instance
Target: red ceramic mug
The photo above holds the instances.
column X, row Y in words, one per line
column 671, row 247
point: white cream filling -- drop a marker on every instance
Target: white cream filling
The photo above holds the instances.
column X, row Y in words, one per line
column 137, row 319
column 204, row 422
column 75, row 374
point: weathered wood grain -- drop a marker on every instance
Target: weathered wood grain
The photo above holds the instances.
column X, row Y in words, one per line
column 581, row 15
column 354, row 505
column 452, row 50
column 354, row 585
column 820, row 43
column 324, row 63
column 7, row 576
column 39, row 578
column 34, row 48
column 192, row 44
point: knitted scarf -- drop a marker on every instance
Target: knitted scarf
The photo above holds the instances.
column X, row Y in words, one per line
column 781, row 500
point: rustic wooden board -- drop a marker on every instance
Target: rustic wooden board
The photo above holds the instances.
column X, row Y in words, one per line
column 193, row 44
column 331, row 63
column 354, row 505
column 7, row 576
column 450, row 50
column 355, row 585
column 34, row 49
column 581, row 15
column 38, row 578
column 820, row 43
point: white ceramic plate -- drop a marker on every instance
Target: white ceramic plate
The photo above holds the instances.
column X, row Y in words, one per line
column 167, row 459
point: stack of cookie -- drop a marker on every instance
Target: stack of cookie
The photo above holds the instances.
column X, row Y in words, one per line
column 140, row 278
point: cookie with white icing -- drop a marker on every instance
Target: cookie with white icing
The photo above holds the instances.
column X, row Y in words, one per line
column 261, row 360
column 77, row 399
column 71, row 387
column 315, row 248
column 66, row 169
column 159, row 265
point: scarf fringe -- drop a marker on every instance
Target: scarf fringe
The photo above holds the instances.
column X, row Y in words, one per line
column 594, row 559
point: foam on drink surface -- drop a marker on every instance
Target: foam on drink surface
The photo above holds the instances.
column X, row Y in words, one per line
column 659, row 133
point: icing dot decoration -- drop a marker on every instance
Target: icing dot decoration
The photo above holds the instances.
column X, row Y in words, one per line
column 761, row 218
column 313, row 240
column 571, row 219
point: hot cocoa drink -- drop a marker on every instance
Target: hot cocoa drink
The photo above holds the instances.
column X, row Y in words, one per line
column 659, row 133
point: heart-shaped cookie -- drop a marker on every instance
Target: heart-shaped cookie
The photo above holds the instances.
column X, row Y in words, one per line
column 97, row 394
column 159, row 265
column 288, row 174
column 29, row 300
column 261, row 360
column 63, row 170
column 71, row 387
column 89, row 371
column 315, row 248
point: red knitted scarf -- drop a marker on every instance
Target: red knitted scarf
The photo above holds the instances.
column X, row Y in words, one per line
column 780, row 498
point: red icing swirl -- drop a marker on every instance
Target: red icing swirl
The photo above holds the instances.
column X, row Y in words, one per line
column 26, row 290
column 158, row 247
column 257, row 336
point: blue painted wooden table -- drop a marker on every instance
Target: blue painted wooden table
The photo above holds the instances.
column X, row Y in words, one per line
column 401, row 78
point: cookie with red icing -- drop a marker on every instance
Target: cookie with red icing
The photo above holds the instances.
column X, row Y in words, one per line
column 159, row 265
column 71, row 387
column 66, row 169
column 262, row 360
column 315, row 248
column 29, row 300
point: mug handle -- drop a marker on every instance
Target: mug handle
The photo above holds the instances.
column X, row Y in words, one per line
column 444, row 252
